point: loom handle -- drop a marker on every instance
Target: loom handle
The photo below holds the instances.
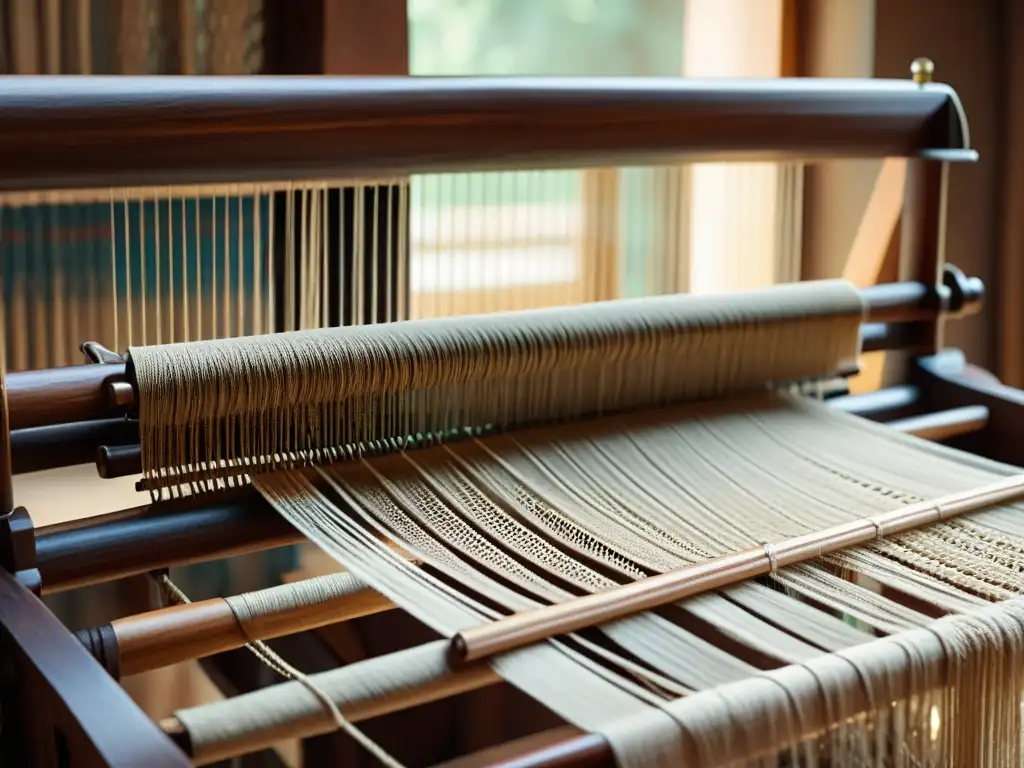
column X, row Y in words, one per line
column 528, row 627
column 96, row 353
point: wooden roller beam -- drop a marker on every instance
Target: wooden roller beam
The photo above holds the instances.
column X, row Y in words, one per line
column 79, row 393
column 62, row 395
column 180, row 633
column 146, row 538
column 562, row 747
column 468, row 678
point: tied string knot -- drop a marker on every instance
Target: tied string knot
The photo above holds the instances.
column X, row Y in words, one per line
column 773, row 560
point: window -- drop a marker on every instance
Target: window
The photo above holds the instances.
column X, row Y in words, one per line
column 487, row 242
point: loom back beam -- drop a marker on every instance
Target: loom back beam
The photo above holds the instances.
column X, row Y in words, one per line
column 225, row 130
column 152, row 537
column 48, row 409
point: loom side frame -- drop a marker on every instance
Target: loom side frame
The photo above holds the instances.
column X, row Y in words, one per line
column 47, row 672
column 330, row 137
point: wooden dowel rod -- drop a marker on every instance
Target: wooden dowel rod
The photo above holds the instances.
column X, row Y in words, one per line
column 943, row 425
column 562, row 747
column 179, row 633
column 533, row 626
column 139, row 540
column 62, row 395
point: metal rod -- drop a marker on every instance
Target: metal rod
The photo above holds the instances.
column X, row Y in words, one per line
column 943, row 425
column 529, row 627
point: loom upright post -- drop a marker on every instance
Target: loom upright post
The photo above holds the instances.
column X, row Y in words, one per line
column 923, row 223
column 6, row 477
column 17, row 534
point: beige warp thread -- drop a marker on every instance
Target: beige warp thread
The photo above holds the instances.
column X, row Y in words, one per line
column 213, row 412
column 929, row 689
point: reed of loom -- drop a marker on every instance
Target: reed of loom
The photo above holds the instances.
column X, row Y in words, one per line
column 56, row 699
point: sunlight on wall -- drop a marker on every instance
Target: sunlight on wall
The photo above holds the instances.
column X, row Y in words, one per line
column 735, row 207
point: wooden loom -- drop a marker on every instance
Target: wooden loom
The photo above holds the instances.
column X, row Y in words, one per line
column 61, row 704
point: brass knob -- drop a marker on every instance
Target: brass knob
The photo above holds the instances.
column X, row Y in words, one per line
column 921, row 70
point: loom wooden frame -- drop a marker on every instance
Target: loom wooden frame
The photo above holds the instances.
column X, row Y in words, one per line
column 267, row 130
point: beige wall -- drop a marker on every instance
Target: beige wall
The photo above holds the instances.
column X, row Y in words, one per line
column 838, row 41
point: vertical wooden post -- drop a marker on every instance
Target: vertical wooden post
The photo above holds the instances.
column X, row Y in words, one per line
column 365, row 38
column 1009, row 325
column 923, row 229
column 599, row 250
column 6, row 478
column 922, row 235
